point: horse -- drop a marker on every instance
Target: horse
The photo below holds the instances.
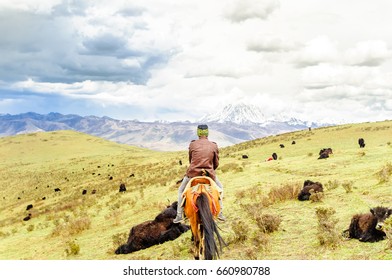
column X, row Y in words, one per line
column 201, row 207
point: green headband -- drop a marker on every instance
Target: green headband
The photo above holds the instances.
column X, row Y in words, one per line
column 202, row 130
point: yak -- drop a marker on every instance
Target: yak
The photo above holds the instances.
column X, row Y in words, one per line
column 369, row 227
column 154, row 232
column 324, row 153
column 306, row 190
column 361, row 143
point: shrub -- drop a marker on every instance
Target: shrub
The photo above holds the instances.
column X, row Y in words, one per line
column 30, row 228
column 241, row 231
column 72, row 227
column 251, row 253
column 284, row 192
column 315, row 196
column 261, row 241
column 268, row 223
column 348, row 186
column 388, row 232
column 72, row 248
column 384, row 174
column 332, row 184
column 326, row 232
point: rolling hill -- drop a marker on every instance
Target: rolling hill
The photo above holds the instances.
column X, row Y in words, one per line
column 231, row 125
column 69, row 225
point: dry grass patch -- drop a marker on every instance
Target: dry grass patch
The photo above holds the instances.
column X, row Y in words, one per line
column 72, row 227
column 72, row 248
column 268, row 223
column 348, row 186
column 385, row 173
column 388, row 232
column 231, row 167
column 326, row 231
column 285, row 192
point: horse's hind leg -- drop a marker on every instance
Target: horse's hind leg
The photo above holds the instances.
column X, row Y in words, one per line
column 196, row 252
column 199, row 243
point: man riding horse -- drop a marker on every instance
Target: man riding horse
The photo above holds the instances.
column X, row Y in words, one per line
column 203, row 156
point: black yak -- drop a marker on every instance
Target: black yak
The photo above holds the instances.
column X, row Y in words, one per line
column 324, row 153
column 369, row 227
column 306, row 190
column 154, row 232
column 361, row 143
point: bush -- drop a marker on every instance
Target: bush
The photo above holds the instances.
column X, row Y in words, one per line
column 72, row 249
column 241, row 231
column 332, row 184
column 348, row 186
column 268, row 223
column 315, row 196
column 326, row 232
column 284, row 192
column 388, row 232
column 72, row 227
column 385, row 173
column 30, row 228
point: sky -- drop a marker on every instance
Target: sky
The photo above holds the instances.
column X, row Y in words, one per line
column 316, row 60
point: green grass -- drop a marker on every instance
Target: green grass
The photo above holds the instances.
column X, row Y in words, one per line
column 259, row 195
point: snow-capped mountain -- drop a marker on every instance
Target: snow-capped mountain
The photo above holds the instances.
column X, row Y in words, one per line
column 246, row 114
column 239, row 114
column 233, row 125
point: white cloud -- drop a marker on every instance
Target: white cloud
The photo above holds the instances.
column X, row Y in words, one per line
column 241, row 10
column 186, row 58
column 270, row 43
column 318, row 50
column 368, row 53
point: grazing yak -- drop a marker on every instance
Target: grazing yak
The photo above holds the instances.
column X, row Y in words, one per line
column 324, row 153
column 369, row 227
column 274, row 156
column 308, row 186
column 122, row 188
column 154, row 232
column 28, row 217
column 361, row 143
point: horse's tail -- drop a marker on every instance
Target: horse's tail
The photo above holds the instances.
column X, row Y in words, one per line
column 210, row 229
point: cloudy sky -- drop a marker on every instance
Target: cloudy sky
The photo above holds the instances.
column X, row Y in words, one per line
column 178, row 60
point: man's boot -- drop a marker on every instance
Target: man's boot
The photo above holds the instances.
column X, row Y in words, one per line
column 220, row 215
column 179, row 218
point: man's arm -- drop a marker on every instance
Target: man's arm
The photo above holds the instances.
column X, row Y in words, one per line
column 216, row 157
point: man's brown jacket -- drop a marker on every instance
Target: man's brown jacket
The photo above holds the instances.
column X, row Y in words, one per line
column 203, row 154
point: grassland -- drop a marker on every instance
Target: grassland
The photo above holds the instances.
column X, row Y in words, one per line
column 265, row 220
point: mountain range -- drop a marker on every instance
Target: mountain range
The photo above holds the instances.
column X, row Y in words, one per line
column 234, row 124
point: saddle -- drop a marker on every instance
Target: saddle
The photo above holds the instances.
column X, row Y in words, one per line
column 200, row 184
